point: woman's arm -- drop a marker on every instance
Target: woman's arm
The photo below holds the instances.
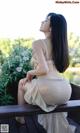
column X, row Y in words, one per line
column 42, row 67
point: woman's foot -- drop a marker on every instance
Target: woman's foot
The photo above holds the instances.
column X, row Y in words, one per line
column 20, row 120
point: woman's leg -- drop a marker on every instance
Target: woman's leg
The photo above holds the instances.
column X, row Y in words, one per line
column 21, row 100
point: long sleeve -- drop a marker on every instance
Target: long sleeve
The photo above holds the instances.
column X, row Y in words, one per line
column 42, row 67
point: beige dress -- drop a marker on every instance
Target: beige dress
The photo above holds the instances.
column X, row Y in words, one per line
column 49, row 89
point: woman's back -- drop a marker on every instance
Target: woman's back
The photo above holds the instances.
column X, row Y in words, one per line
column 47, row 51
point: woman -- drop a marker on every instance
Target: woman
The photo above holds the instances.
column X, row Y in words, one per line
column 49, row 89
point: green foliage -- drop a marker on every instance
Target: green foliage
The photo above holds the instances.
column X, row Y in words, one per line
column 6, row 45
column 6, row 99
column 68, row 75
column 2, row 58
column 14, row 68
column 72, row 75
column 74, row 50
column 24, row 42
column 17, row 63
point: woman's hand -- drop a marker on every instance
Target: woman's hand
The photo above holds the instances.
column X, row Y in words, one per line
column 23, row 81
column 29, row 76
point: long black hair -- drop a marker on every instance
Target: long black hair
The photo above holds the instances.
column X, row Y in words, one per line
column 60, row 54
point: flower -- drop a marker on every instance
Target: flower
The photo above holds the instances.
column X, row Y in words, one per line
column 19, row 69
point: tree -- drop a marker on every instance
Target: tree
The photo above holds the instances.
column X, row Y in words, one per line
column 74, row 49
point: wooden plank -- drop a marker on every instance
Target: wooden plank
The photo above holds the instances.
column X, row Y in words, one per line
column 24, row 110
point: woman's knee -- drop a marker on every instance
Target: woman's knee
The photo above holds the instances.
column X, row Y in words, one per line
column 20, row 84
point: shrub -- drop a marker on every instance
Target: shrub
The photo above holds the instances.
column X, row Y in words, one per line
column 14, row 68
column 2, row 57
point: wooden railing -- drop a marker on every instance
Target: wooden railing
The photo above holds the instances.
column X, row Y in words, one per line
column 24, row 110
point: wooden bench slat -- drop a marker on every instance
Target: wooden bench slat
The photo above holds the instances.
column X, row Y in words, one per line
column 24, row 110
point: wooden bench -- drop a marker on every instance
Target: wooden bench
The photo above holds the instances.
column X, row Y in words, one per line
column 24, row 110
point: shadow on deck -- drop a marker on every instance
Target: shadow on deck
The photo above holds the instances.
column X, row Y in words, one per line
column 31, row 125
